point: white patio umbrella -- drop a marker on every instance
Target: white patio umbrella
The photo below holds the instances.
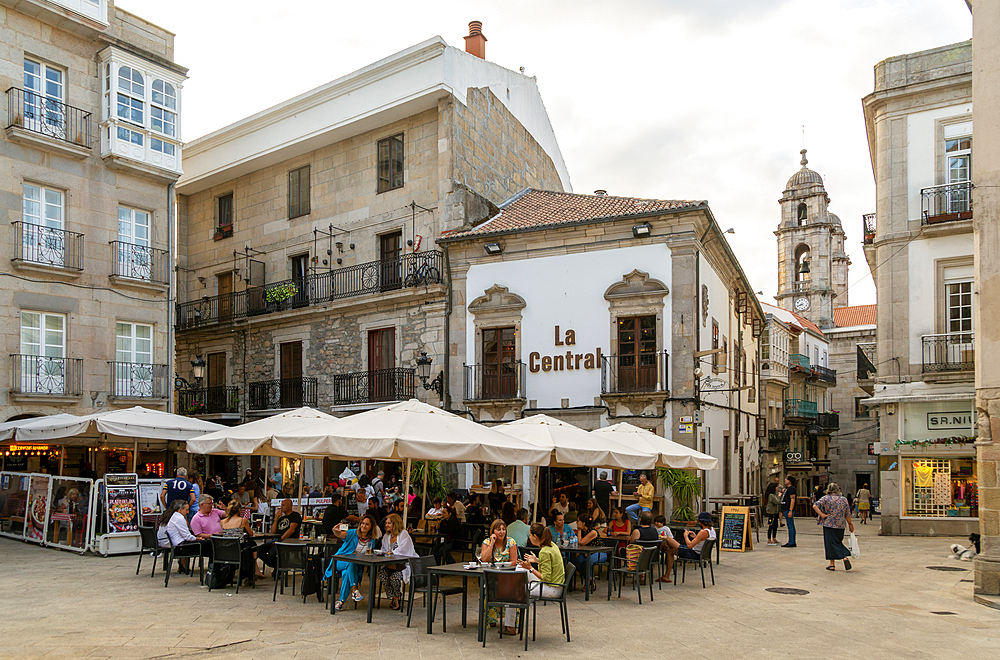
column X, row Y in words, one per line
column 254, row 438
column 411, row 430
column 136, row 422
column 7, row 429
column 670, row 454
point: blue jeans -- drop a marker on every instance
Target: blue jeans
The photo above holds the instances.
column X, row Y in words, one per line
column 633, row 512
column 351, row 577
column 790, row 521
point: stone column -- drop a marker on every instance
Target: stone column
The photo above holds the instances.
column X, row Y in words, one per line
column 986, row 221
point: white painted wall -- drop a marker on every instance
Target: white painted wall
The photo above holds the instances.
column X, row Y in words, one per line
column 921, row 149
column 922, row 275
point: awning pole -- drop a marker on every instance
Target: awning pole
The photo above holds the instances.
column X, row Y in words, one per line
column 534, row 514
column 135, row 454
column 298, row 494
column 406, row 493
column 620, row 473
column 423, row 501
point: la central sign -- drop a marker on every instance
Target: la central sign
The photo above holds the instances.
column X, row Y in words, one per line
column 569, row 361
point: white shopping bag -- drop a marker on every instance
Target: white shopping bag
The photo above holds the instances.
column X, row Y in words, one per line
column 852, row 543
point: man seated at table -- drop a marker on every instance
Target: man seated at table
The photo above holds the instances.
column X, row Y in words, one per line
column 287, row 525
column 645, row 492
column 436, row 510
column 519, row 529
column 645, row 531
column 333, row 516
column 455, row 503
column 562, row 534
column 207, row 521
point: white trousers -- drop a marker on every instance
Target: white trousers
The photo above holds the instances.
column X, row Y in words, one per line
column 535, row 587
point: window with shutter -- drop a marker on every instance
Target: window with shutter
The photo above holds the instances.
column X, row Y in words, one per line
column 298, row 192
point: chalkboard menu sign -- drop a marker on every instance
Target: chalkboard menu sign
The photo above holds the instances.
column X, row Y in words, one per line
column 121, row 501
column 734, row 535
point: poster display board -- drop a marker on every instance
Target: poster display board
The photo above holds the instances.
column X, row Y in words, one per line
column 68, row 512
column 13, row 503
column 121, row 502
column 734, row 534
column 37, row 517
column 149, row 501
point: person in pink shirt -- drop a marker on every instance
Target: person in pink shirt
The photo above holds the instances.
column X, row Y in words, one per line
column 207, row 521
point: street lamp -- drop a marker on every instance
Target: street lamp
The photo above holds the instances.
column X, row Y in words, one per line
column 424, row 372
column 197, row 370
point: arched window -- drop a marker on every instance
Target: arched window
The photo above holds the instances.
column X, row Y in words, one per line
column 802, row 263
column 131, row 95
column 802, row 214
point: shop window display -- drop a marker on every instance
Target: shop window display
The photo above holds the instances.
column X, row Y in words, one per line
column 940, row 487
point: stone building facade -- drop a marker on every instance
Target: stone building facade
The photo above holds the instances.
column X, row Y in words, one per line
column 91, row 146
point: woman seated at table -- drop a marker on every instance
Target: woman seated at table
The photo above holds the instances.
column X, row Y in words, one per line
column 474, row 511
column 692, row 543
column 357, row 541
column 451, row 527
column 235, row 525
column 173, row 529
column 620, row 528
column 496, row 548
column 587, row 533
column 645, row 532
column 595, row 513
column 436, row 510
column 397, row 541
column 547, row 579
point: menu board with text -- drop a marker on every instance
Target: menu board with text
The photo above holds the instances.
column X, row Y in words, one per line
column 121, row 502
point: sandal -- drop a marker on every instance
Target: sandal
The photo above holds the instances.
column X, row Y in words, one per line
column 394, row 604
column 509, row 630
column 831, row 568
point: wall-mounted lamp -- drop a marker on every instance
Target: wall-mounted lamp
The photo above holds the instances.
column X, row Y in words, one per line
column 197, row 371
column 424, row 372
column 493, row 248
column 340, row 246
column 642, row 231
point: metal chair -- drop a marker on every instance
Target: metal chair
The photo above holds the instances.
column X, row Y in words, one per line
column 507, row 589
column 291, row 559
column 643, row 566
column 420, row 582
column 704, row 557
column 188, row 550
column 151, row 545
column 563, row 611
column 227, row 551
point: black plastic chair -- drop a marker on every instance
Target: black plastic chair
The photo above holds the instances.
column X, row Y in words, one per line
column 227, row 551
column 150, row 545
column 704, row 557
column 507, row 589
column 291, row 559
column 643, row 566
column 189, row 550
column 421, row 581
column 563, row 611
column 658, row 557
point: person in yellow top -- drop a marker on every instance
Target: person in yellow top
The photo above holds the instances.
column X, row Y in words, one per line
column 645, row 491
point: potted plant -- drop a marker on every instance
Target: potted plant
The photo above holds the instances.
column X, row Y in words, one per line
column 278, row 296
column 685, row 486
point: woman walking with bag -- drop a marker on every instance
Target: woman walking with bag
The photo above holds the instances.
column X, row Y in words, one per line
column 772, row 508
column 834, row 514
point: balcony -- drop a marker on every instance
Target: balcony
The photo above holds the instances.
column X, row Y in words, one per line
column 828, row 421
column 951, row 352
column 947, row 203
column 868, row 227
column 627, row 374
column 139, row 262
column 45, row 246
column 375, row 386
column 409, row 271
column 800, row 409
column 824, row 375
column 799, row 360
column 282, row 394
column 495, row 382
column 46, row 376
column 38, row 121
column 138, row 380
column 220, row 400
column 778, row 438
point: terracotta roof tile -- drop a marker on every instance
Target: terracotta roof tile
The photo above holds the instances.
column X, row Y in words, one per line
column 845, row 317
column 806, row 323
column 534, row 209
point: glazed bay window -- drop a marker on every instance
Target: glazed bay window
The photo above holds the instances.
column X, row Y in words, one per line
column 390, row 163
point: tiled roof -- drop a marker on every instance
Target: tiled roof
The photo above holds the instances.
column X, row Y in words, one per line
column 807, row 324
column 845, row 317
column 534, row 209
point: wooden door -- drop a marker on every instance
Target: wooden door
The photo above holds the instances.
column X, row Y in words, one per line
column 291, row 374
column 382, row 364
column 225, row 284
column 499, row 368
column 215, row 394
column 391, row 266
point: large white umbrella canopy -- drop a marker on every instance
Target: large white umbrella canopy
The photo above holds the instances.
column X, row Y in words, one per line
column 254, row 438
column 410, row 430
column 136, row 423
column 671, row 454
column 571, row 446
column 7, row 429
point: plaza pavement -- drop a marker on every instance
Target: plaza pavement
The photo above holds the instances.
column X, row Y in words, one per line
column 55, row 604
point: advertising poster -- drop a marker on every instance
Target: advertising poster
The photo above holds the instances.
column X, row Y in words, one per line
column 149, row 502
column 38, row 507
column 121, row 495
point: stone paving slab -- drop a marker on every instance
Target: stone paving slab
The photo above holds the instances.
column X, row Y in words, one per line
column 56, row 604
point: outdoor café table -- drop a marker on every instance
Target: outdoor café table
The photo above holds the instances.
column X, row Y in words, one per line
column 459, row 570
column 372, row 561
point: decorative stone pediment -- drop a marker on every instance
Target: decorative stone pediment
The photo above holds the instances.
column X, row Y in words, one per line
column 497, row 300
column 637, row 286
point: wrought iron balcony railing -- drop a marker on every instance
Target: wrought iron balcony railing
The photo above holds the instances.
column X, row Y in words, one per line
column 946, row 203
column 954, row 351
column 41, row 374
column 647, row 372
column 374, row 386
column 139, row 262
column 799, row 360
column 824, row 374
column 778, row 438
column 284, row 393
column 828, row 420
column 138, row 380
column 209, row 400
column 868, row 222
column 38, row 244
column 492, row 381
column 410, row 270
column 866, row 361
column 39, row 114
column 800, row 408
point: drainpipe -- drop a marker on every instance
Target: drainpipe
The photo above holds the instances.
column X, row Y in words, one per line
column 445, row 393
column 171, row 294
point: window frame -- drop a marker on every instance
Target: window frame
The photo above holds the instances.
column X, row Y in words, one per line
column 133, row 338
column 42, row 344
column 395, row 163
column 299, row 195
column 219, row 224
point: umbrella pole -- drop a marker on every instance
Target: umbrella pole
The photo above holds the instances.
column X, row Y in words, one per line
column 620, row 473
column 302, row 467
column 423, row 505
column 135, row 452
column 406, row 493
column 534, row 514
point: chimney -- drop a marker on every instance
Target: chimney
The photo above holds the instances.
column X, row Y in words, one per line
column 475, row 43
column 600, row 193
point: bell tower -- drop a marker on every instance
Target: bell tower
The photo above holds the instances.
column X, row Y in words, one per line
column 812, row 264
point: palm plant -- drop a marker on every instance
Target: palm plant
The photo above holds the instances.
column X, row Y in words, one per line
column 685, row 486
column 435, row 481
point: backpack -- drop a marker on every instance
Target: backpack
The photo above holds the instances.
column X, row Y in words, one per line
column 312, row 578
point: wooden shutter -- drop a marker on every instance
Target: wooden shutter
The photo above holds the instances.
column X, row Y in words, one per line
column 216, row 369
column 298, row 192
column 291, row 360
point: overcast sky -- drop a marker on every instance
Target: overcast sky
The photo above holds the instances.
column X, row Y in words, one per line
column 669, row 99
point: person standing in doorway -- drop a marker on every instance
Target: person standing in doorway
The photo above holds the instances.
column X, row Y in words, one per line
column 788, row 510
column 602, row 492
column 645, row 492
column 864, row 500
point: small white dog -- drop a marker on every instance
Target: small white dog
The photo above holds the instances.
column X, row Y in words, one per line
column 962, row 553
